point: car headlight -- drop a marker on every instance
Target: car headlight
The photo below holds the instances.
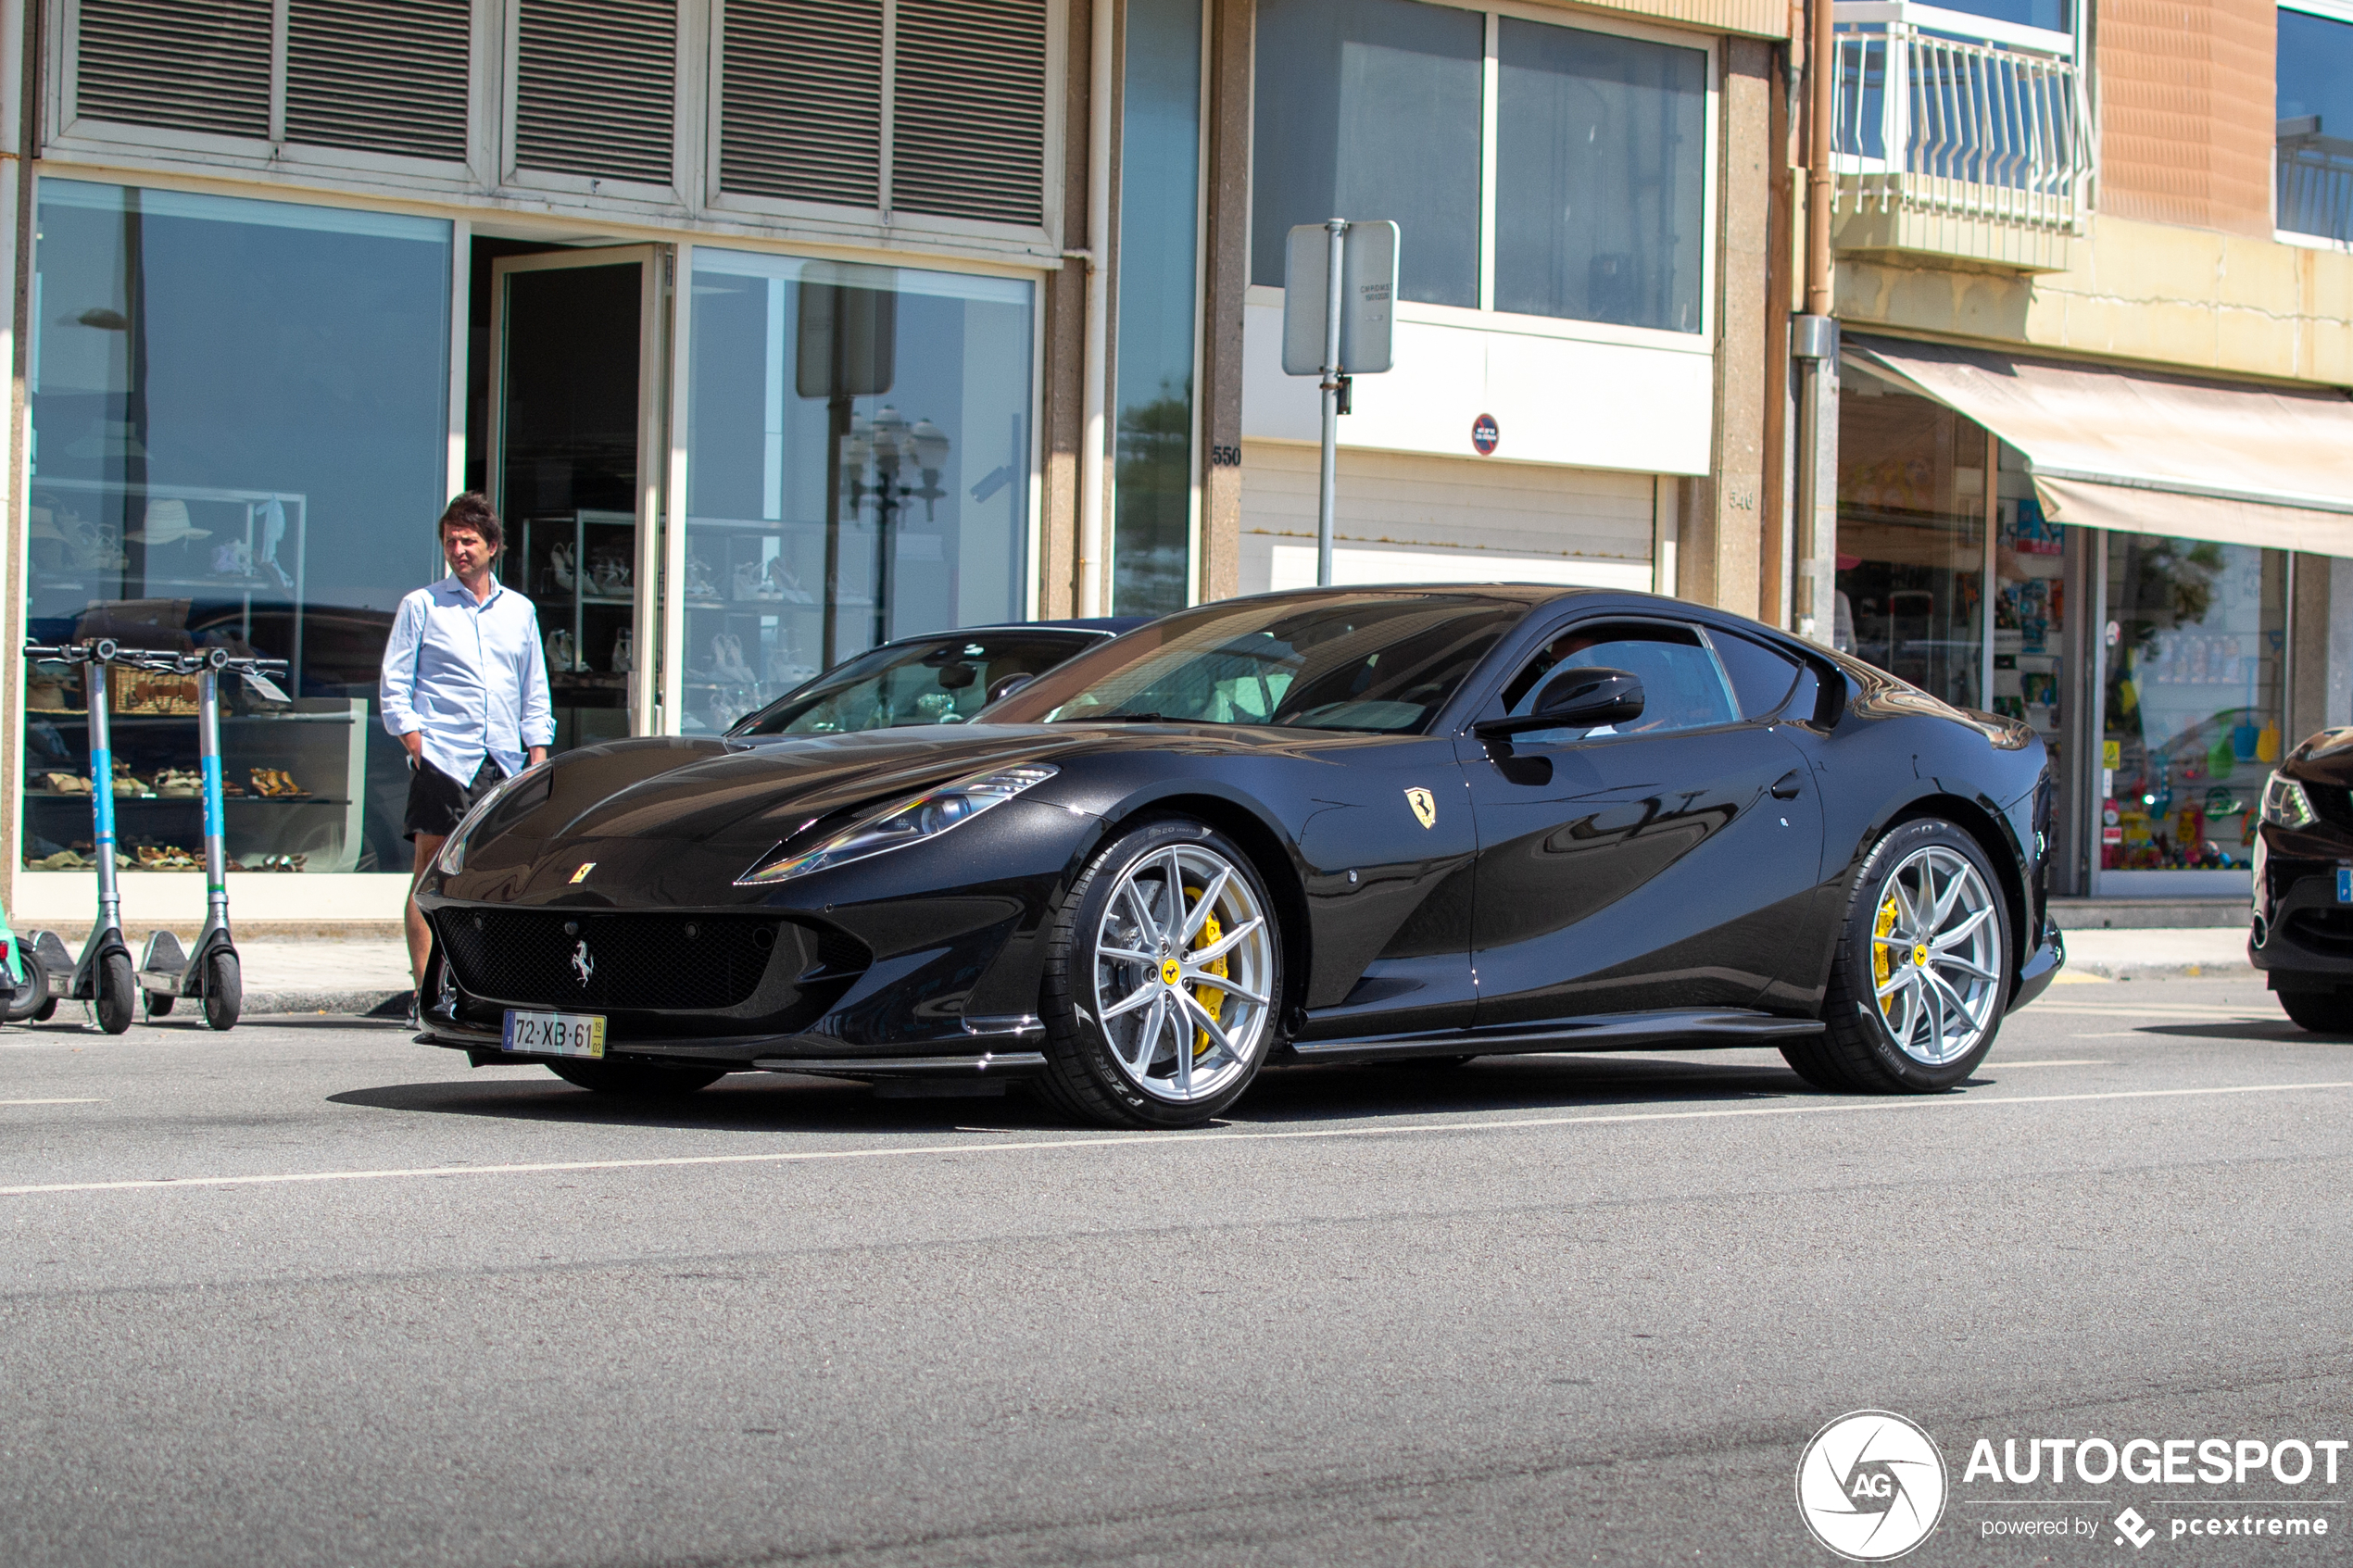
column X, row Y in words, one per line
column 2285, row 804
column 452, row 859
column 905, row 822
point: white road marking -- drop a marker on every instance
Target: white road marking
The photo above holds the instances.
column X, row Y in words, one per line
column 2160, row 1009
column 52, row 1102
column 2072, row 1061
column 1154, row 1141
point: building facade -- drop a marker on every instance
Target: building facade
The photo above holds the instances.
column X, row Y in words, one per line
column 2094, row 459
column 778, row 328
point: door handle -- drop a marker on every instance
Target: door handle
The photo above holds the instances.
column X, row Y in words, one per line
column 1787, row 785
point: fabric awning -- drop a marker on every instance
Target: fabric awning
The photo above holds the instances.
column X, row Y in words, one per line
column 2151, row 453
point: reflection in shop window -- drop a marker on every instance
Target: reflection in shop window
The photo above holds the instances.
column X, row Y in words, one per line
column 239, row 440
column 858, row 468
column 2196, row 664
column 1911, row 538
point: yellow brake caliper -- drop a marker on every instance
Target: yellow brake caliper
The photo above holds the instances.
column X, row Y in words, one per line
column 1209, row 998
column 1881, row 964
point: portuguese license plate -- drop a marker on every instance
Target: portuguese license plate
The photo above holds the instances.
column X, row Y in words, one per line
column 555, row 1034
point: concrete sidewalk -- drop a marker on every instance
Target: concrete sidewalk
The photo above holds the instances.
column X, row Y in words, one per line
column 2168, row 954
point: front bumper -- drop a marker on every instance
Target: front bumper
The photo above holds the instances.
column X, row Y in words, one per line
column 2300, row 934
column 2042, row 966
column 981, row 1048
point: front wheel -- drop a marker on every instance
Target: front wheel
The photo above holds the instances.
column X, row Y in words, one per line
column 159, row 1003
column 1922, row 970
column 118, row 998
column 2322, row 1013
column 223, row 989
column 629, row 1080
column 1164, row 973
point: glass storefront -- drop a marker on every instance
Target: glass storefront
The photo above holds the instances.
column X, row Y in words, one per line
column 1911, row 537
column 240, row 439
column 2196, row 675
column 858, row 466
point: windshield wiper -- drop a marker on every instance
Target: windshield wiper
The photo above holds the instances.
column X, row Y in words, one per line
column 1123, row 719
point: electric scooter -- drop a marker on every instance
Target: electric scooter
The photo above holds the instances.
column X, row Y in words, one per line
column 106, row 975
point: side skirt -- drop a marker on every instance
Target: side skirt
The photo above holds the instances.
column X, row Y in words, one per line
column 1691, row 1028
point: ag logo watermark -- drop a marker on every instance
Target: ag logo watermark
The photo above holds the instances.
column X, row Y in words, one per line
column 1872, row 1486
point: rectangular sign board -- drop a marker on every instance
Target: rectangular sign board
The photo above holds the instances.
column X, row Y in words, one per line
column 1368, row 290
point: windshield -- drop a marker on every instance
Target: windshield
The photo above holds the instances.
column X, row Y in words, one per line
column 1385, row 662
column 938, row 681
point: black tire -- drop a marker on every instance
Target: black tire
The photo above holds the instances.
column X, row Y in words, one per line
column 159, row 1003
column 32, row 999
column 629, row 1080
column 2322, row 1013
column 224, row 990
column 1858, row 1052
column 47, row 1010
column 1083, row 1079
column 118, row 998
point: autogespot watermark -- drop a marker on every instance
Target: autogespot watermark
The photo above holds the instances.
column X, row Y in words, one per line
column 1872, row 1485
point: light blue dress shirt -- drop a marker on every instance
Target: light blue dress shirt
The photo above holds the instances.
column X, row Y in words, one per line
column 470, row 676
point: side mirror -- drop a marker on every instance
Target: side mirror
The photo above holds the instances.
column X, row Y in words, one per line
column 1008, row 686
column 1583, row 698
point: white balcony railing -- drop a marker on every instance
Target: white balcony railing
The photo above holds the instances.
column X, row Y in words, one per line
column 2315, row 181
column 1958, row 115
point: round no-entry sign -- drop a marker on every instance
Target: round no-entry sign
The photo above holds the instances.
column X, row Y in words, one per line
column 1485, row 433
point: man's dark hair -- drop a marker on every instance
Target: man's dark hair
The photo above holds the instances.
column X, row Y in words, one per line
column 472, row 510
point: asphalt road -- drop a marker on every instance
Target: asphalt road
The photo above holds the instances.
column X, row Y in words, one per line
column 309, row 1293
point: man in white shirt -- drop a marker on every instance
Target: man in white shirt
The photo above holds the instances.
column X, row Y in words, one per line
column 465, row 689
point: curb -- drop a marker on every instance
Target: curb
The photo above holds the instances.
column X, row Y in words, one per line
column 2239, row 971
column 362, row 1004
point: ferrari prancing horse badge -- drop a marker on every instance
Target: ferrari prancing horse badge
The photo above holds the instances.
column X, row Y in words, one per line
column 1425, row 807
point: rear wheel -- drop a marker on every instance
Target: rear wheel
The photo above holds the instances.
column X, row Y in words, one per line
column 2323, row 1012
column 630, row 1080
column 158, row 1002
column 47, row 1010
column 32, row 999
column 1922, row 969
column 1162, row 975
column 118, row 998
column 224, row 990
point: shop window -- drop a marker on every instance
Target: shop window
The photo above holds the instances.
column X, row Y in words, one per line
column 1370, row 108
column 1911, row 538
column 2196, row 664
column 240, row 439
column 1373, row 109
column 858, row 466
column 2315, row 109
column 1598, row 151
column 1159, row 244
column 2029, row 610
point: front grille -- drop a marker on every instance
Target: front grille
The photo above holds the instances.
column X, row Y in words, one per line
column 2332, row 803
column 2323, row 928
column 634, row 960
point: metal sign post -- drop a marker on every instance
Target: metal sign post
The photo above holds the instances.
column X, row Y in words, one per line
column 1340, row 280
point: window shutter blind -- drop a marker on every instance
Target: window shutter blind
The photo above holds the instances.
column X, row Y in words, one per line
column 800, row 107
column 596, row 90
column 192, row 65
column 969, row 109
column 379, row 75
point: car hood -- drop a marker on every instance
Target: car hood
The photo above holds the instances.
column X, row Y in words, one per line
column 686, row 814
column 2326, row 757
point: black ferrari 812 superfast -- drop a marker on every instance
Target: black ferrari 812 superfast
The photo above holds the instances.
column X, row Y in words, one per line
column 1329, row 825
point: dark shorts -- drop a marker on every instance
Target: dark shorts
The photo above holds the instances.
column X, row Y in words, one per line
column 437, row 803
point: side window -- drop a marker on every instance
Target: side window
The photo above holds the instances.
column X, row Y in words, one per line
column 1761, row 676
column 1684, row 688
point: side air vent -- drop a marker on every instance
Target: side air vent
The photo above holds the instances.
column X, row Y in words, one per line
column 385, row 76
column 191, row 65
column 969, row 109
column 596, row 90
column 800, row 106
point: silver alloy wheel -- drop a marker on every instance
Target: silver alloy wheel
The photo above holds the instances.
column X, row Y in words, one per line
column 1936, row 956
column 1183, row 960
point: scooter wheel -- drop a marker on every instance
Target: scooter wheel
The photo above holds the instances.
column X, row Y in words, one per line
column 224, row 990
column 32, row 999
column 159, row 1003
column 45, row 1011
column 118, row 995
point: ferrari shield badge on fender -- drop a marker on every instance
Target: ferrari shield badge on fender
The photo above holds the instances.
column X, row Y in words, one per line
column 1425, row 805
column 586, row 867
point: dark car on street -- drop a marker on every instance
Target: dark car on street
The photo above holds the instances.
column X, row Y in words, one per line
column 2301, row 934
column 1328, row 825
